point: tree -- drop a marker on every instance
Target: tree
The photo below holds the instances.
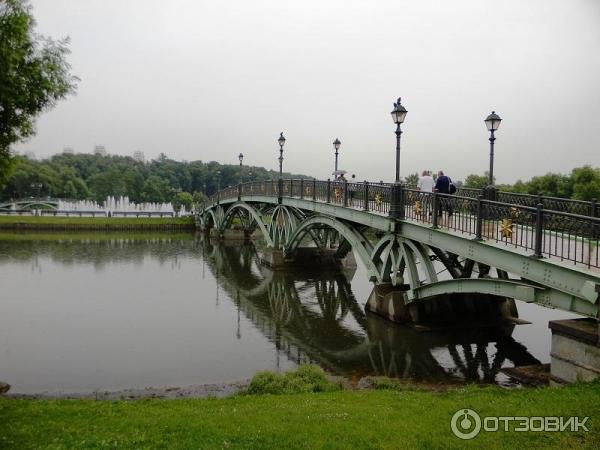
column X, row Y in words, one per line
column 34, row 75
column 476, row 181
column 551, row 184
column 412, row 179
column 586, row 183
column 182, row 199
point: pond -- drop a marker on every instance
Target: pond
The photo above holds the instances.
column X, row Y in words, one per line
column 105, row 312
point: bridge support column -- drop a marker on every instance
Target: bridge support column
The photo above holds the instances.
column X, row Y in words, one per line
column 575, row 351
column 442, row 311
column 307, row 257
column 388, row 301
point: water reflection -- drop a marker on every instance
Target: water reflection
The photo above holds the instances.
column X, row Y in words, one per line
column 314, row 316
column 109, row 311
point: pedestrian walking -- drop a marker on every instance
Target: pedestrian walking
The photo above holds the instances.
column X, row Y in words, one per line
column 443, row 185
column 426, row 186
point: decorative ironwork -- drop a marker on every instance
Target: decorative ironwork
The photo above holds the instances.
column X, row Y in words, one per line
column 418, row 208
column 337, row 192
column 547, row 226
column 506, row 228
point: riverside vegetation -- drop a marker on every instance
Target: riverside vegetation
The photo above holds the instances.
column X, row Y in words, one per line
column 301, row 409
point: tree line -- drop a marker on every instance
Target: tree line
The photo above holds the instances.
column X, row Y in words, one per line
column 94, row 177
column 583, row 183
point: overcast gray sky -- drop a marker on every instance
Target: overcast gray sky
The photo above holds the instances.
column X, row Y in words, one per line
column 209, row 79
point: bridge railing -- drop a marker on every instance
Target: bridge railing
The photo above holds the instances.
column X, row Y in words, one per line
column 536, row 227
column 567, row 236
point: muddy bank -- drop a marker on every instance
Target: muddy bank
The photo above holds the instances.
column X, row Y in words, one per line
column 166, row 392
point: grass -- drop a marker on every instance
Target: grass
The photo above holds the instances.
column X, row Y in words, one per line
column 386, row 418
column 307, row 378
column 85, row 235
column 95, row 221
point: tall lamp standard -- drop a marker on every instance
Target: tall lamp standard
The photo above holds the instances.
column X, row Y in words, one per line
column 241, row 158
column 492, row 122
column 281, row 142
column 396, row 206
column 336, row 145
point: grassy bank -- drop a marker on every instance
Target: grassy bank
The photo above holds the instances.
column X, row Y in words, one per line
column 95, row 223
column 390, row 418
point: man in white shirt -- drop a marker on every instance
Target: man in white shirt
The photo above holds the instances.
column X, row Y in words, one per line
column 425, row 183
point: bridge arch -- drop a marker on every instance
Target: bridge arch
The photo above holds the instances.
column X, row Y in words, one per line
column 253, row 213
column 360, row 244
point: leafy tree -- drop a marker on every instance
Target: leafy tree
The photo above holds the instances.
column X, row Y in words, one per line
column 198, row 197
column 478, row 181
column 586, row 183
column 157, row 189
column 551, row 184
column 182, row 199
column 412, row 179
column 34, row 75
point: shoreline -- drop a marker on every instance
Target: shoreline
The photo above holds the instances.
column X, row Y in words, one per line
column 56, row 223
column 208, row 390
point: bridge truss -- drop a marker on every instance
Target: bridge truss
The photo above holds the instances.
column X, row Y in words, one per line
column 535, row 254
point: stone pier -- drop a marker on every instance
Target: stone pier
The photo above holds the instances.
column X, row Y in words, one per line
column 575, row 351
column 458, row 310
column 307, row 257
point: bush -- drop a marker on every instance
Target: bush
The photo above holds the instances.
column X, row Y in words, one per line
column 307, row 378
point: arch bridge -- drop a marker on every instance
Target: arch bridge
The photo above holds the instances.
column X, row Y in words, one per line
column 28, row 204
column 531, row 248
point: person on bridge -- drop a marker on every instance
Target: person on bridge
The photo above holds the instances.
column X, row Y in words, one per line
column 442, row 186
column 425, row 184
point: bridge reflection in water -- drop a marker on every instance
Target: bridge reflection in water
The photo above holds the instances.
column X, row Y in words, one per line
column 312, row 316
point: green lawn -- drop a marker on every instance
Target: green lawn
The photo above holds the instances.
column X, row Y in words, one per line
column 95, row 221
column 344, row 419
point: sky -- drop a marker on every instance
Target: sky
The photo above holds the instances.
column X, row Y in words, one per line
column 206, row 80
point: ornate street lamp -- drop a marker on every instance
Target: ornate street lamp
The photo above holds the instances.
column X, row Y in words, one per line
column 336, row 145
column 281, row 142
column 398, row 114
column 492, row 122
column 241, row 158
column 397, row 201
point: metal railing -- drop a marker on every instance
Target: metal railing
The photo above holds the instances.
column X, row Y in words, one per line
column 565, row 229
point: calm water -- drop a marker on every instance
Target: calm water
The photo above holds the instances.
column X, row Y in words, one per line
column 110, row 312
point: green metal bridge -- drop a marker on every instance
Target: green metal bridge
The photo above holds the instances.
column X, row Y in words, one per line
column 531, row 248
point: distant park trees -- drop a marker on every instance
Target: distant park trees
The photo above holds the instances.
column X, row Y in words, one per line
column 34, row 75
column 95, row 177
column 583, row 183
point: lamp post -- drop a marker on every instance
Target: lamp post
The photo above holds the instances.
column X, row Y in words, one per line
column 396, row 206
column 492, row 122
column 281, row 142
column 241, row 158
column 336, row 145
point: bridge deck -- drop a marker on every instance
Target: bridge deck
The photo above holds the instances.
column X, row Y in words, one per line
column 561, row 236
